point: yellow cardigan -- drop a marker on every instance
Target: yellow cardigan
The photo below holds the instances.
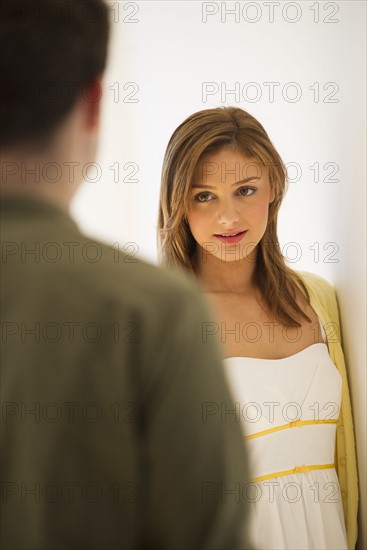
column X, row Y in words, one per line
column 323, row 301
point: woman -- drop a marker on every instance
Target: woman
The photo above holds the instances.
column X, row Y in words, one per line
column 222, row 186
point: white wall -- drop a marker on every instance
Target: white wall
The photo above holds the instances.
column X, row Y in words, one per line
column 164, row 52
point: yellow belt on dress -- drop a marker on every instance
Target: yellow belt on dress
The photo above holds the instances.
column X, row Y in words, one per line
column 297, row 469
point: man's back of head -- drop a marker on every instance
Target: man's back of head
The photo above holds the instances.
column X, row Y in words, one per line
column 53, row 56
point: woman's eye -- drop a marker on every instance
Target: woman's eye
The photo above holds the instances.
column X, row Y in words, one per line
column 243, row 191
column 201, row 195
column 253, row 189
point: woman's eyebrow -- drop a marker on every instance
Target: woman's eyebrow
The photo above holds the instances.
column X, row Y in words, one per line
column 204, row 186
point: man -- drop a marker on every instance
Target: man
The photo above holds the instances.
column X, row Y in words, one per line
column 118, row 427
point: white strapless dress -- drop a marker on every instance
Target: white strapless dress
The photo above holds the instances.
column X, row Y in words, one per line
column 288, row 409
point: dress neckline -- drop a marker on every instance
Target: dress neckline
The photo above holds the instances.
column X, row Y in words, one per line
column 281, row 358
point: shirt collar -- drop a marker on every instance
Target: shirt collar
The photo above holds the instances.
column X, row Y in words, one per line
column 27, row 205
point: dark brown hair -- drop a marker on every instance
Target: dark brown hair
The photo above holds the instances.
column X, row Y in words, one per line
column 208, row 131
column 50, row 51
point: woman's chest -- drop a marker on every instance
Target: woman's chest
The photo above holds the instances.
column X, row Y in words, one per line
column 245, row 329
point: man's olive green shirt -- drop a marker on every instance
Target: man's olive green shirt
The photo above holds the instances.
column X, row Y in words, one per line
column 118, row 427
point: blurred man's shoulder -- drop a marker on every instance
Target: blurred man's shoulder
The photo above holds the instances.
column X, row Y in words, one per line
column 120, row 271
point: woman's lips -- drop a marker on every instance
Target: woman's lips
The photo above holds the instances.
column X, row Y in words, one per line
column 236, row 239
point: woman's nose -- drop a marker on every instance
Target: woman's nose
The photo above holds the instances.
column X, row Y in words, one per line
column 228, row 213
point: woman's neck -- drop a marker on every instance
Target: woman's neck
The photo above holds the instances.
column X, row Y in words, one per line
column 217, row 276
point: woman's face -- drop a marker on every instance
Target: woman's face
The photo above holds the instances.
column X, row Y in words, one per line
column 230, row 194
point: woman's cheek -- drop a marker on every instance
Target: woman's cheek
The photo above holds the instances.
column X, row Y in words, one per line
column 198, row 223
column 258, row 213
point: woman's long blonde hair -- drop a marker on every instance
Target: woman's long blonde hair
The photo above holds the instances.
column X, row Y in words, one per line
column 208, row 131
